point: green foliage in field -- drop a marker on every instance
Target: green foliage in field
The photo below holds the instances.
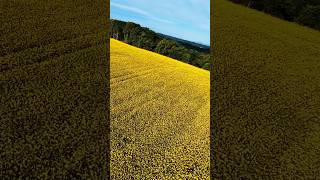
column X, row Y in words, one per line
column 52, row 82
column 145, row 38
column 266, row 91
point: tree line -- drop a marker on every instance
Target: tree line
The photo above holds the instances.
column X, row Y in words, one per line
column 305, row 12
column 142, row 37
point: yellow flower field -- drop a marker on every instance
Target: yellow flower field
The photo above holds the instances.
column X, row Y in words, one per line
column 160, row 116
column 266, row 95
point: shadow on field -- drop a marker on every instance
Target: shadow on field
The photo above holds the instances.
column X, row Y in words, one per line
column 52, row 80
column 266, row 96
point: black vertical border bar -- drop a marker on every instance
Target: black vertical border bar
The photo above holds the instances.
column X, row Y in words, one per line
column 214, row 70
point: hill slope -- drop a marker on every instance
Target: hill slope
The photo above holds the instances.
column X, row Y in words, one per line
column 142, row 37
column 159, row 116
column 194, row 45
column 52, row 89
column 266, row 90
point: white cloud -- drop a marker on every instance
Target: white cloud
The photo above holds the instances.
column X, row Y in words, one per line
column 161, row 20
column 140, row 11
column 128, row 8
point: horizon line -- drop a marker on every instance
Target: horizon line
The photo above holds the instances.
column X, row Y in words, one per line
column 204, row 44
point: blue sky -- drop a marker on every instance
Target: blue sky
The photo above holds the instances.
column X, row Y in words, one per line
column 186, row 19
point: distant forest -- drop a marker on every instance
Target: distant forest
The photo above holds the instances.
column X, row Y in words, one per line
column 142, row 37
column 305, row 12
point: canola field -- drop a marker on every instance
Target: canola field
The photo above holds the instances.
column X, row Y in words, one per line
column 53, row 108
column 266, row 95
column 160, row 116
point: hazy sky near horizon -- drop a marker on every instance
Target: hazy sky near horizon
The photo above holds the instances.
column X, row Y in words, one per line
column 185, row 19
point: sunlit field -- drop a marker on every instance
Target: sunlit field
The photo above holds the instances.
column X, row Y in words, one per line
column 159, row 116
column 266, row 84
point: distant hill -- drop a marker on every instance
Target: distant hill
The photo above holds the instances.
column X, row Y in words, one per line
column 189, row 44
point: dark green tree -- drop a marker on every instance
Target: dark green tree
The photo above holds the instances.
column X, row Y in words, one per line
column 117, row 29
column 310, row 16
column 304, row 12
column 127, row 31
